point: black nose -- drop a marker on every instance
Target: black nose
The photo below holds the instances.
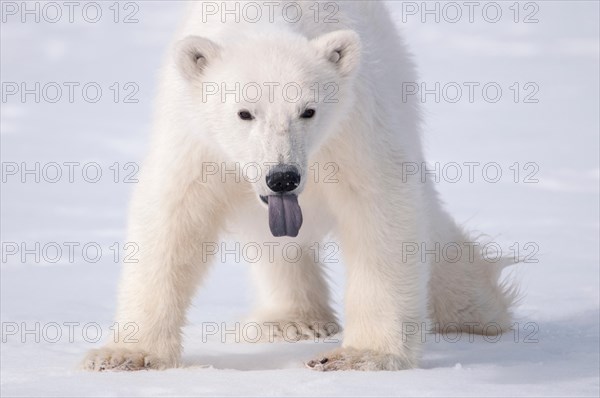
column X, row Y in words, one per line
column 283, row 179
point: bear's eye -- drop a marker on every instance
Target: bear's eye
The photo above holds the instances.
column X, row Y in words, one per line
column 308, row 114
column 245, row 115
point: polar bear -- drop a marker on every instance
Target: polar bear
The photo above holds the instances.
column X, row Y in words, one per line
column 293, row 85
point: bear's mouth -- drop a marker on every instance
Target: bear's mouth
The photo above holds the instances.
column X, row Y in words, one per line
column 285, row 215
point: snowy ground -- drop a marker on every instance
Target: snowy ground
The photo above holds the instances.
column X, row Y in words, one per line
column 554, row 353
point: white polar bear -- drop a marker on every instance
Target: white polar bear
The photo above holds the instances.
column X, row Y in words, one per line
column 331, row 76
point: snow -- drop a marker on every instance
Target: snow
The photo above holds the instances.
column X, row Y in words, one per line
column 556, row 349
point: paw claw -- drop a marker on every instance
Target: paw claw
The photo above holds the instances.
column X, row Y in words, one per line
column 317, row 364
column 352, row 359
column 293, row 331
column 119, row 359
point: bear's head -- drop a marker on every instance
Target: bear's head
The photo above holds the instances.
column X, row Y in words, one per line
column 270, row 101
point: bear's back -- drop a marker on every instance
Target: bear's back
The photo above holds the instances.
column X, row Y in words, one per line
column 228, row 21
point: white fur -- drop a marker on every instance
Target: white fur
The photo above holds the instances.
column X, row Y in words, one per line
column 368, row 134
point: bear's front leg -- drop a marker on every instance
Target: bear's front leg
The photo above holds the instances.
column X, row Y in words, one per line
column 174, row 215
column 386, row 292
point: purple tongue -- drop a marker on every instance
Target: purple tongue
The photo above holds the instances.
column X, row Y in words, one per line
column 285, row 216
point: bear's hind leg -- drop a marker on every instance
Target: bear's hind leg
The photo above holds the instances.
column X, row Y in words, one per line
column 294, row 300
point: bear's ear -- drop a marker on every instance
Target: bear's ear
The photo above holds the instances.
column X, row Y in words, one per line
column 193, row 54
column 341, row 47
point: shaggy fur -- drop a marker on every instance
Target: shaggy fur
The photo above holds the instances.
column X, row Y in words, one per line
column 368, row 133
